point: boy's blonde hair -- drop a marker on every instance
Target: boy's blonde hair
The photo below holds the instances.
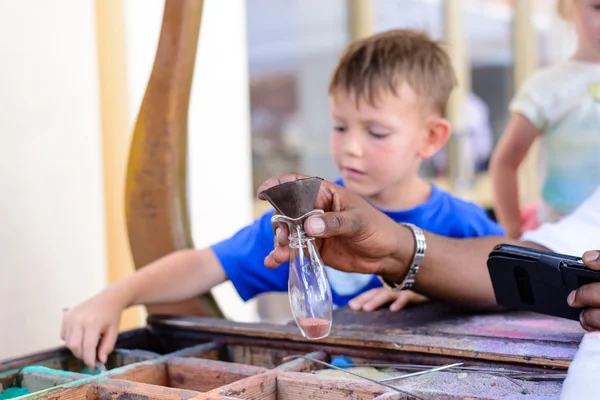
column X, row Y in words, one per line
column 386, row 60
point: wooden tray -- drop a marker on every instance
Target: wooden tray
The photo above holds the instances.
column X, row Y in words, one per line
column 203, row 358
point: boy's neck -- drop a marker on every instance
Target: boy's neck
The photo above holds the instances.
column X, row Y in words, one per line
column 402, row 197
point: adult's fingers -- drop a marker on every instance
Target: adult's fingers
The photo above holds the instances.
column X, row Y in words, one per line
column 590, row 319
column 586, row 296
column 592, row 259
column 344, row 223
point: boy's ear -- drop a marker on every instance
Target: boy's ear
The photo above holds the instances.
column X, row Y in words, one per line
column 438, row 133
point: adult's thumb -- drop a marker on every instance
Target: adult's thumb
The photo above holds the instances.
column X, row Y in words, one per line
column 592, row 259
column 331, row 224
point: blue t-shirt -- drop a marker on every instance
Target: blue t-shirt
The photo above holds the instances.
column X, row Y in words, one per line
column 242, row 256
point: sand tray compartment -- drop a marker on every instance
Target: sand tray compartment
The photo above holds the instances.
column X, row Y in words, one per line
column 231, row 361
column 303, row 376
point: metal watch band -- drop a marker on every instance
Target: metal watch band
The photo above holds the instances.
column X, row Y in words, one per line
column 420, row 247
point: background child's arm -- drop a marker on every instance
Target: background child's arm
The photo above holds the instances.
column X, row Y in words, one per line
column 508, row 155
column 176, row 277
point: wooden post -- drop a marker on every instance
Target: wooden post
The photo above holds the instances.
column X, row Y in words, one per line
column 360, row 18
column 526, row 61
column 116, row 135
column 459, row 146
column 156, row 190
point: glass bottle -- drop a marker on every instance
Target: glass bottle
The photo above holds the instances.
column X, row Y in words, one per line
column 308, row 287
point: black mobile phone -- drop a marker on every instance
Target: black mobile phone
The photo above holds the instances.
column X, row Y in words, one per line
column 535, row 280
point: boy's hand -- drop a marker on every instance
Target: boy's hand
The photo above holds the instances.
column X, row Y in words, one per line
column 84, row 325
column 375, row 298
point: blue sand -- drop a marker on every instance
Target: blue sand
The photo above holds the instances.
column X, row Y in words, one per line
column 12, row 392
column 342, row 362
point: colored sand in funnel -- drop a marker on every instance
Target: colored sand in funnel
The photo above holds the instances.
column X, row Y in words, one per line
column 87, row 371
column 12, row 392
column 314, row 327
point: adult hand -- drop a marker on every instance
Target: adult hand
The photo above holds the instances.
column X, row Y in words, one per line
column 352, row 236
column 588, row 295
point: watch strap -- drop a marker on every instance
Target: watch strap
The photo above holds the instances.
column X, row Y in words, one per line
column 415, row 264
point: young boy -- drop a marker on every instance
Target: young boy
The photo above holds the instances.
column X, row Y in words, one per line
column 388, row 97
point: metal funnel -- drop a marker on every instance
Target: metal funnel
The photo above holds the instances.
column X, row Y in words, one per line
column 294, row 199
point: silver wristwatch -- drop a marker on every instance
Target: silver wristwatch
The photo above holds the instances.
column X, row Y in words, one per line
column 420, row 247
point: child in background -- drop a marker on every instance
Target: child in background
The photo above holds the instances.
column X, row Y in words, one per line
column 561, row 106
column 388, row 97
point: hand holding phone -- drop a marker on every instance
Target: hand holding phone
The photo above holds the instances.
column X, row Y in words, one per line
column 538, row 281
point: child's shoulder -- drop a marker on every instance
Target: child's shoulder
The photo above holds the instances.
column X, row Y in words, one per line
column 452, row 203
column 447, row 215
column 548, row 77
column 550, row 92
column 463, row 218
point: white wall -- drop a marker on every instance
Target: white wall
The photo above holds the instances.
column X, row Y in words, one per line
column 52, row 249
column 220, row 190
column 52, row 234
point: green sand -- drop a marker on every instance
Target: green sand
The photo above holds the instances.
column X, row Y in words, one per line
column 12, row 392
column 87, row 371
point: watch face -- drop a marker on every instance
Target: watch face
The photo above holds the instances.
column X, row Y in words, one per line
column 420, row 247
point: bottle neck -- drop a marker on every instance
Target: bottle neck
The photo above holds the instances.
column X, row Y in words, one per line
column 298, row 238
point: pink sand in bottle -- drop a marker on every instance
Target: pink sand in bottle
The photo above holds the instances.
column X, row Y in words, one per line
column 315, row 327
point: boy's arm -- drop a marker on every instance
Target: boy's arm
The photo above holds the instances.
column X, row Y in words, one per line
column 179, row 276
column 176, row 277
column 506, row 159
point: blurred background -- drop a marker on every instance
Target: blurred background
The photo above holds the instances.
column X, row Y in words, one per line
column 73, row 74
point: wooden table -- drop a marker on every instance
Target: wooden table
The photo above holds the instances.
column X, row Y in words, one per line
column 430, row 330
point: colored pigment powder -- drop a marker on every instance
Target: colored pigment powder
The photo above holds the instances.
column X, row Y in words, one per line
column 12, row 392
column 87, row 371
column 314, row 327
column 342, row 362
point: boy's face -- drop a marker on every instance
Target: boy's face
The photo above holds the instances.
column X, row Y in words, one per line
column 378, row 148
